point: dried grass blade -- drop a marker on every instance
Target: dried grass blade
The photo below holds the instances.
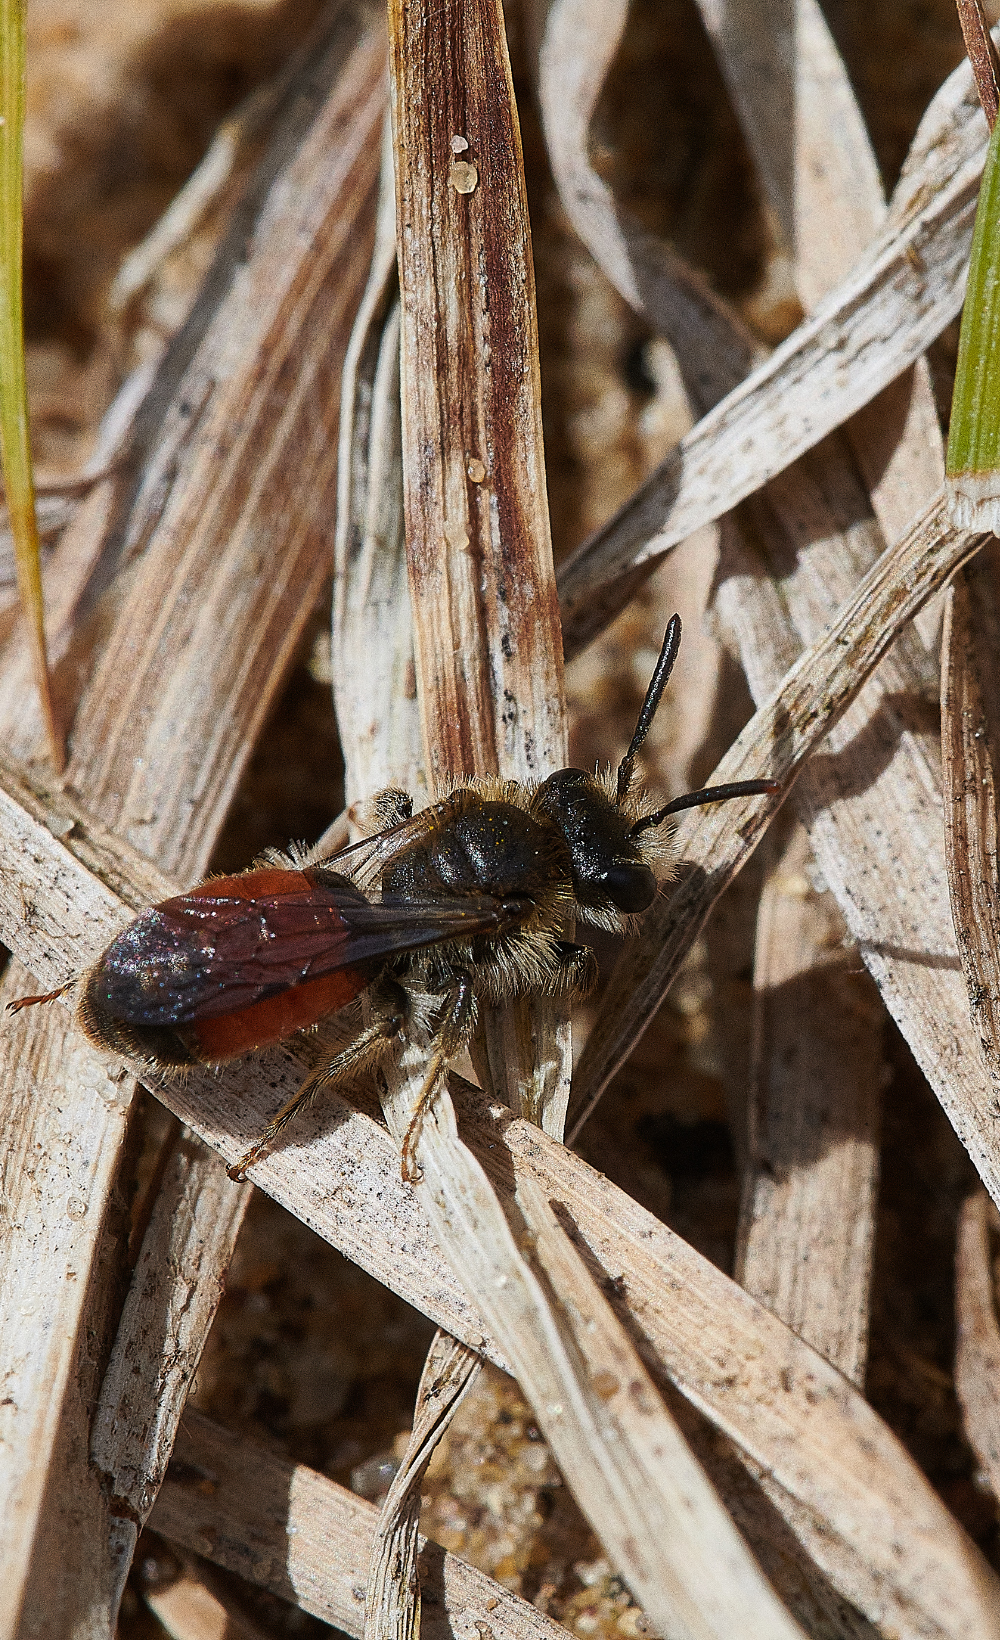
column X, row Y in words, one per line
column 970, row 744
column 977, row 1343
column 873, row 807
column 225, row 496
column 907, row 288
column 631, row 1471
column 206, row 185
column 164, row 1324
column 198, row 769
column 822, row 1456
column 717, row 1586
column 714, row 349
column 809, row 1196
column 376, row 707
column 487, row 638
column 781, row 735
column 786, row 1408
column 392, row 1601
column 489, row 652
column 810, row 1189
column 70, row 1158
column 288, row 1529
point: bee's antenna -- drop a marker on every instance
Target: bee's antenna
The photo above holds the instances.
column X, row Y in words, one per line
column 707, row 794
column 654, row 694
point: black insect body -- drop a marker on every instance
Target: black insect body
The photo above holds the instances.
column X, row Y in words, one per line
column 466, row 903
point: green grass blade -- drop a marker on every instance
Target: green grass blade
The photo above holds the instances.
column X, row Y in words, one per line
column 974, row 442
column 15, row 444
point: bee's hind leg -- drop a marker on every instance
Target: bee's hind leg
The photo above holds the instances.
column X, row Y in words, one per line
column 452, row 1035
column 360, row 1055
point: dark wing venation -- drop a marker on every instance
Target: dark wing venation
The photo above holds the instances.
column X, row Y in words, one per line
column 198, row 956
column 367, row 859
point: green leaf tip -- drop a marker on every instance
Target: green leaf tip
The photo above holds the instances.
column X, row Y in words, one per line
column 973, row 465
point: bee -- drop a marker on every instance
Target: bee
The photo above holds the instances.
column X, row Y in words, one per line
column 464, row 904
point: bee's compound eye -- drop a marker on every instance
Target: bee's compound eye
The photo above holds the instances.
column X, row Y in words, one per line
column 630, row 887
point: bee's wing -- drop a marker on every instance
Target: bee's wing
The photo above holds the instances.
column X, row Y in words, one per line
column 365, row 861
column 236, row 941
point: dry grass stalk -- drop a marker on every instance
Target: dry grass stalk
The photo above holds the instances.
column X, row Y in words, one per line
column 715, row 351
column 785, row 730
column 61, row 1160
column 810, row 1188
column 290, row 1530
column 861, row 336
column 486, row 634
column 371, row 603
column 486, row 625
column 483, row 595
column 977, row 1348
column 217, row 701
column 831, row 1467
column 392, row 1601
column 874, row 814
column 810, row 1192
column 969, row 748
column 193, row 1226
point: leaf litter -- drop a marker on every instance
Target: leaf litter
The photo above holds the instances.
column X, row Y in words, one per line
column 768, row 607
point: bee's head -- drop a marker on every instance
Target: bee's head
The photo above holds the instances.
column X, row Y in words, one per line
column 609, row 867
column 612, row 844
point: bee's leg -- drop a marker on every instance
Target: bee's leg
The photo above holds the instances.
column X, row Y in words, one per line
column 451, row 1037
column 50, row 996
column 576, row 974
column 360, row 1055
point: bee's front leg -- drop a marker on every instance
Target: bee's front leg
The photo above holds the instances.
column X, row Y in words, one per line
column 576, row 974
